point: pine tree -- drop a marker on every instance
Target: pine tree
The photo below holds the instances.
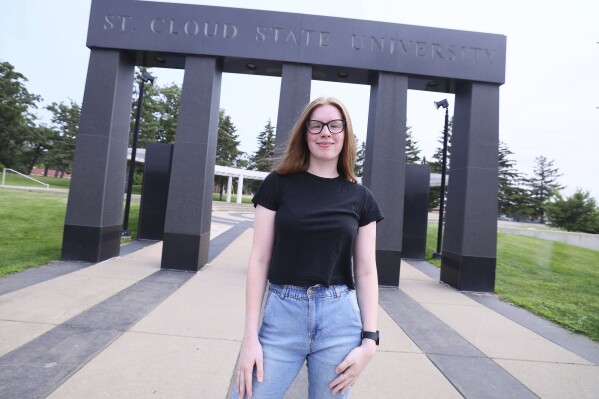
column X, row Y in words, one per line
column 512, row 196
column 412, row 150
column 263, row 158
column 543, row 185
column 436, row 166
column 227, row 147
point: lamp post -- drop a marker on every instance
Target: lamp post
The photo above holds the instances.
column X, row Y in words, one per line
column 145, row 77
column 442, row 104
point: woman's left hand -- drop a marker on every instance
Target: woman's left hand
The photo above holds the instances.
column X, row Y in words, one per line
column 352, row 366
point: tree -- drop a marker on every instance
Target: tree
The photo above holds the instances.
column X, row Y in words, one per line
column 16, row 119
column 148, row 122
column 159, row 114
column 39, row 141
column 65, row 120
column 436, row 166
column 169, row 99
column 412, row 150
column 227, row 147
column 360, row 154
column 543, row 185
column 512, row 196
column 576, row 213
column 263, row 158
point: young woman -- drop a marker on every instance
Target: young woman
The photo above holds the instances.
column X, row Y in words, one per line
column 314, row 241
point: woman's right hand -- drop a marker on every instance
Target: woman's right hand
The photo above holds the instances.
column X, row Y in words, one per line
column 251, row 354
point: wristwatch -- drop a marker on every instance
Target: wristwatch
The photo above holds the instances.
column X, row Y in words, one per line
column 371, row 335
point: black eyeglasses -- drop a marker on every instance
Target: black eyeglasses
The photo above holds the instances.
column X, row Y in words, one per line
column 335, row 126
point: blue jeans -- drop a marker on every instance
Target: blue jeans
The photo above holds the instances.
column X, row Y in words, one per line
column 318, row 325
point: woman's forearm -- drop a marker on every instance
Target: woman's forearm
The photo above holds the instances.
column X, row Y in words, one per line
column 255, row 286
column 366, row 276
column 258, row 268
column 367, row 290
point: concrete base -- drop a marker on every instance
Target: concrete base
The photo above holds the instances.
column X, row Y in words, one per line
column 468, row 273
column 91, row 243
column 185, row 252
column 388, row 264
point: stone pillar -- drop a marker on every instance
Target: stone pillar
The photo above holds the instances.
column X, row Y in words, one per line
column 470, row 238
column 384, row 168
column 93, row 222
column 188, row 214
column 239, row 188
column 415, row 215
column 295, row 95
column 154, row 191
column 229, row 187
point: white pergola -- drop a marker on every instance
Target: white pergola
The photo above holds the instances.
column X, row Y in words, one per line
column 240, row 174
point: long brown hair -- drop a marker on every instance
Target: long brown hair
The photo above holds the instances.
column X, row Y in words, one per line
column 297, row 155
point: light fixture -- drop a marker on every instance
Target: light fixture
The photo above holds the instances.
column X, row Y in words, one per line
column 442, row 104
column 145, row 78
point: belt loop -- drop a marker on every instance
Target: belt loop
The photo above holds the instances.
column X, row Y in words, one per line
column 337, row 289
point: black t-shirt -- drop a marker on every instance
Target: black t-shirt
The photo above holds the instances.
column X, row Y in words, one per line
column 316, row 224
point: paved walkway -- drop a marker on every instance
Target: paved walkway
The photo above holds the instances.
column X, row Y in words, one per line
column 123, row 328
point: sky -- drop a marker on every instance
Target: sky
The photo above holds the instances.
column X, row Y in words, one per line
column 549, row 105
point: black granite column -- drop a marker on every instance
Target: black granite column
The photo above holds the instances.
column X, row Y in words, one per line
column 384, row 168
column 189, row 207
column 470, row 238
column 296, row 80
column 92, row 229
column 415, row 215
column 154, row 191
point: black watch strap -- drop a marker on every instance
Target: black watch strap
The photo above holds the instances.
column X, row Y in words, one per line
column 371, row 335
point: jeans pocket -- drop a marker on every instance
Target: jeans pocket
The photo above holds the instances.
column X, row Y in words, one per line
column 353, row 300
column 269, row 296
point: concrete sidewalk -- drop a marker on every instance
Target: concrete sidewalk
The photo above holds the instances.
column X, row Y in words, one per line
column 124, row 328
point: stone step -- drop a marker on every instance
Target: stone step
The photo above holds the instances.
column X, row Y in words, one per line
column 231, row 206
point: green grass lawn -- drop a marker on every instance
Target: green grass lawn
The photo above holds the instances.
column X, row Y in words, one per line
column 12, row 179
column 31, row 225
column 56, row 182
column 246, row 199
column 555, row 280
